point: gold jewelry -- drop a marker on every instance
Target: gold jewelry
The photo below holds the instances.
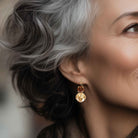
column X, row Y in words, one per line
column 80, row 96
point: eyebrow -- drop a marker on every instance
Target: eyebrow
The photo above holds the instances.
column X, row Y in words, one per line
column 132, row 14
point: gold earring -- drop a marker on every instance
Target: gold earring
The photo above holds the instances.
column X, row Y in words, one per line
column 80, row 96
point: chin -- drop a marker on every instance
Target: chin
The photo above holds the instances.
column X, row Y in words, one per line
column 131, row 104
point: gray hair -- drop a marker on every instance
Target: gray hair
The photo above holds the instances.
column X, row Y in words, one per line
column 43, row 32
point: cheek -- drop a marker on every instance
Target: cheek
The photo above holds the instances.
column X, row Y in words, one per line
column 112, row 60
column 119, row 53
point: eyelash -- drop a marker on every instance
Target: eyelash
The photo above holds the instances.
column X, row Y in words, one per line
column 129, row 27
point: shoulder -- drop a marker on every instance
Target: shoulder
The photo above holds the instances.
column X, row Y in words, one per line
column 52, row 131
column 70, row 130
column 133, row 133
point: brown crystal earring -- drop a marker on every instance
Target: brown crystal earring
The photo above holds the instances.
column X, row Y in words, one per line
column 80, row 96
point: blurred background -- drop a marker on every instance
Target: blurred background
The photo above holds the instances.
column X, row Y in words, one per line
column 15, row 121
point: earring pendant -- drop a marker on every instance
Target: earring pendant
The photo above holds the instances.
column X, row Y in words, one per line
column 80, row 96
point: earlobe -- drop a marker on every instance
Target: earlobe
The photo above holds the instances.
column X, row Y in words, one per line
column 73, row 71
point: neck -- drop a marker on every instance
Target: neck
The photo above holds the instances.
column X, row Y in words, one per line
column 105, row 120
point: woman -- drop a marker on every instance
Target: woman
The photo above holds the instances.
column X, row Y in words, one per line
column 76, row 62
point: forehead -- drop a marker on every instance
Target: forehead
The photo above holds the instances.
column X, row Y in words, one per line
column 116, row 7
column 109, row 10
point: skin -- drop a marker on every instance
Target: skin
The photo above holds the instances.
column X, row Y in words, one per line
column 110, row 71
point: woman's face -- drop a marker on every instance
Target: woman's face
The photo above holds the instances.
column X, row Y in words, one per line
column 114, row 52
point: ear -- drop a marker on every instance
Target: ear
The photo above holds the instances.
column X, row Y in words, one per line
column 75, row 70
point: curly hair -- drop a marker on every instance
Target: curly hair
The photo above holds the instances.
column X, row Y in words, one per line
column 41, row 33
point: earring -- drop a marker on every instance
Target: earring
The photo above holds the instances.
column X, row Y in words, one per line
column 80, row 96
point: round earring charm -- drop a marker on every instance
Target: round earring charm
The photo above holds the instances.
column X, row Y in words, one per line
column 80, row 96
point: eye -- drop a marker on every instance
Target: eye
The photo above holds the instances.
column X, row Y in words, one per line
column 133, row 28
